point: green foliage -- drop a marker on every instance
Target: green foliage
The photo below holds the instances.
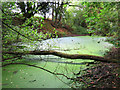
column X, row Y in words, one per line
column 28, row 30
column 76, row 19
column 101, row 17
column 79, row 30
column 115, row 39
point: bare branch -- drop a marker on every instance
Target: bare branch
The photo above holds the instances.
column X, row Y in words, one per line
column 39, row 68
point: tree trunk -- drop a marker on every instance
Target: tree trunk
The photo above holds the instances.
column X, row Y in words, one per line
column 61, row 12
column 56, row 13
column 53, row 12
column 64, row 55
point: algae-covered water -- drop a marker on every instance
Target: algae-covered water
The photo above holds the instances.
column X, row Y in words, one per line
column 22, row 76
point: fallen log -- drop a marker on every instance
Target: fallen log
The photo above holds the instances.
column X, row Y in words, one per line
column 64, row 55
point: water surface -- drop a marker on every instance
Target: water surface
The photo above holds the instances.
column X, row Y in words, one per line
column 21, row 76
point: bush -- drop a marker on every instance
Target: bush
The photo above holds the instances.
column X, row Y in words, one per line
column 79, row 30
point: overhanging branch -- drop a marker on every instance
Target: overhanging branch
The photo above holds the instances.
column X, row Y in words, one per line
column 16, row 31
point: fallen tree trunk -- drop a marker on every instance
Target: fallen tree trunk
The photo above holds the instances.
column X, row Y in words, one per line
column 64, row 55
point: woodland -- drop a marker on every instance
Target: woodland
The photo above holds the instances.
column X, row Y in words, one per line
column 20, row 24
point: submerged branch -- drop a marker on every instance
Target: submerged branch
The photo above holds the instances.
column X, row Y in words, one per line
column 39, row 68
column 44, row 70
column 64, row 55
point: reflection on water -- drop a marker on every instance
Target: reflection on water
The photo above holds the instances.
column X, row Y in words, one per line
column 21, row 76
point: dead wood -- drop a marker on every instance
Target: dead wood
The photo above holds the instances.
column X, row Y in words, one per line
column 65, row 55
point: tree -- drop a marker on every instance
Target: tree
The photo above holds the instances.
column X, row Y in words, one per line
column 45, row 9
column 30, row 8
column 58, row 11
